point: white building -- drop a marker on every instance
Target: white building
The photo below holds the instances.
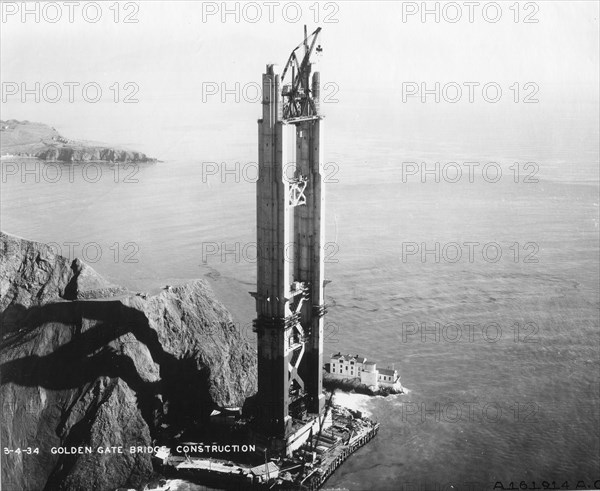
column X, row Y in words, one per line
column 355, row 366
column 387, row 376
column 347, row 365
column 370, row 375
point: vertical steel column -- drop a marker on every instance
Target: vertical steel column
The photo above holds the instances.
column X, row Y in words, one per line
column 309, row 232
column 273, row 281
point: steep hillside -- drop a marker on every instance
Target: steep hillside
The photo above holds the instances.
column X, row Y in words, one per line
column 85, row 363
column 26, row 139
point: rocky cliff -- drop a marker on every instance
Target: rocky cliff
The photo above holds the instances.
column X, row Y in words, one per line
column 26, row 139
column 85, row 363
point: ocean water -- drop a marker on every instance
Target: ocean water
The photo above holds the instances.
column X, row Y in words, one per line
column 515, row 397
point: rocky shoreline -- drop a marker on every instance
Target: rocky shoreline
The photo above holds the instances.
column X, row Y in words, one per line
column 353, row 385
column 24, row 139
column 86, row 363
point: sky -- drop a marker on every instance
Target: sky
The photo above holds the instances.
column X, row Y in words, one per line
column 369, row 50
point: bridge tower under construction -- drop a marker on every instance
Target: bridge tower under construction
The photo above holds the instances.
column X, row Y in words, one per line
column 290, row 205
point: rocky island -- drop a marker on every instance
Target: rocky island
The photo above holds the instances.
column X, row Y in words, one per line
column 88, row 364
column 354, row 385
column 24, row 139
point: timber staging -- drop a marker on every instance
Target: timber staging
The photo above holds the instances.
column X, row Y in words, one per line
column 334, row 458
column 307, row 469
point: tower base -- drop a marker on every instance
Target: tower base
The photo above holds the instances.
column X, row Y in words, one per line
column 299, row 433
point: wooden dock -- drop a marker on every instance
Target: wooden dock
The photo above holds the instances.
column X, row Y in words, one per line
column 335, row 457
column 306, row 470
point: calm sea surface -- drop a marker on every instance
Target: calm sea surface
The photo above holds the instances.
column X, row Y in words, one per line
column 501, row 358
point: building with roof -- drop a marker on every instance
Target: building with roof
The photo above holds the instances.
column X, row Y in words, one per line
column 344, row 366
column 347, row 365
column 387, row 376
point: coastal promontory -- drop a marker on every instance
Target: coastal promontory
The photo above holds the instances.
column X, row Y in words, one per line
column 88, row 364
column 25, row 139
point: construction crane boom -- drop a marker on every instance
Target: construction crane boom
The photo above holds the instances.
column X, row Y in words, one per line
column 298, row 96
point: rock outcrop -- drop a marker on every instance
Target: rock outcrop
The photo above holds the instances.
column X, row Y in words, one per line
column 26, row 139
column 71, row 153
column 86, row 364
column 352, row 384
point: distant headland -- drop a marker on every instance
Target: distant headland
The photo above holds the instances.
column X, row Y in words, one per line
column 24, row 139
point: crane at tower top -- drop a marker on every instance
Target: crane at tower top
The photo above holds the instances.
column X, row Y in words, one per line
column 300, row 98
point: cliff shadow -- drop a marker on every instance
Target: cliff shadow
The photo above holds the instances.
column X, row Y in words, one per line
column 86, row 355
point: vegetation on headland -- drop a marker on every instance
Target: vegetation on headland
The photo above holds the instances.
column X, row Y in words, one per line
column 40, row 141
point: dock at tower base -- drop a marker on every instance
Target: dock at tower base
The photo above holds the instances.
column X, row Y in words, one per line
column 307, row 468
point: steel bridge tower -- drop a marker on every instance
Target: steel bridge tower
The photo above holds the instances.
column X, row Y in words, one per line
column 290, row 202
